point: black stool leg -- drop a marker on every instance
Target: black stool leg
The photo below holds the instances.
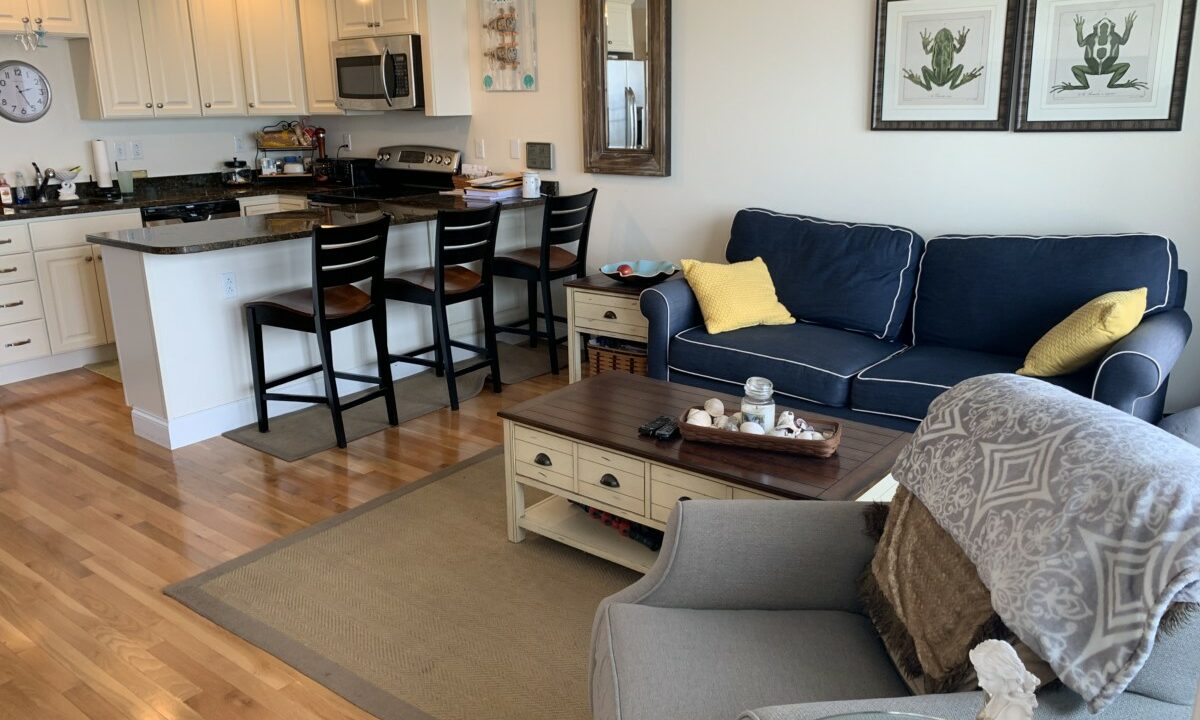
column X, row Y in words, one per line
column 379, row 326
column 531, row 292
column 551, row 331
column 325, row 341
column 257, row 369
column 440, row 368
column 447, row 353
column 489, row 339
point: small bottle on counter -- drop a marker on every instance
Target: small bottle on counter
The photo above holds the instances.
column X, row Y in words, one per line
column 19, row 194
column 758, row 405
column 6, row 196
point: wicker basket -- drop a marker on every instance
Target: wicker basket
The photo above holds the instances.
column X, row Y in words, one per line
column 609, row 359
column 812, row 448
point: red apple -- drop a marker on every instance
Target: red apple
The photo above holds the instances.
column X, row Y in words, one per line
column 624, row 270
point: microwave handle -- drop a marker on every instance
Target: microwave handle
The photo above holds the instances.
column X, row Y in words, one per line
column 383, row 68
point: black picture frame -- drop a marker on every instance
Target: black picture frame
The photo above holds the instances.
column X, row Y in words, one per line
column 1173, row 122
column 1003, row 121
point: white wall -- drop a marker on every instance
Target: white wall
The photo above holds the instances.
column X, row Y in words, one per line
column 771, row 107
column 60, row 140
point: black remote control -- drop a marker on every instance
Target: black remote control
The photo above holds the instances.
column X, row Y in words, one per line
column 651, row 427
column 667, row 431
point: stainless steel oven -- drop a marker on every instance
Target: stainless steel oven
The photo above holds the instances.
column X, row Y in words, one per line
column 381, row 73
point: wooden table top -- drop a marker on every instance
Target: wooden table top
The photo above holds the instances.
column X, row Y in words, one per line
column 607, row 409
column 603, row 283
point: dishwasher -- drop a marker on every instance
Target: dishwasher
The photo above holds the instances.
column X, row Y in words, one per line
column 190, row 212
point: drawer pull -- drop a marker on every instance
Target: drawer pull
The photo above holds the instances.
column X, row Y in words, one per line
column 684, row 498
column 88, row 258
column 6, row 241
column 18, row 303
column 544, row 460
column 609, row 481
column 18, row 343
column 7, row 270
column 610, row 315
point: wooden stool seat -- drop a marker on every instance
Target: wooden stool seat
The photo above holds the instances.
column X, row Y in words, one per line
column 531, row 258
column 340, row 302
column 457, row 280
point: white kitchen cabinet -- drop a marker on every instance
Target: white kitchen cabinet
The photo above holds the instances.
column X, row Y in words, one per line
column 71, row 298
column 167, row 30
column 318, row 31
column 267, row 204
column 59, row 17
column 269, row 31
column 445, row 55
column 218, row 57
column 112, row 75
column 618, row 16
column 365, row 18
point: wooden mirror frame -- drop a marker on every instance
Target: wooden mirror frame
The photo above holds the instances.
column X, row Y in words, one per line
column 598, row 157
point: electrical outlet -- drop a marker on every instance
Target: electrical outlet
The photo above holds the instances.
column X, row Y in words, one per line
column 229, row 286
column 346, row 141
column 480, row 149
column 120, row 151
column 135, row 150
column 514, row 149
column 239, row 144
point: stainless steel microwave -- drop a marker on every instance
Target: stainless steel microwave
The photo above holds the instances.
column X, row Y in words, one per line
column 381, row 73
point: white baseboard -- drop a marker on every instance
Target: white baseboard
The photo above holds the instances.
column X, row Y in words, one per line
column 56, row 363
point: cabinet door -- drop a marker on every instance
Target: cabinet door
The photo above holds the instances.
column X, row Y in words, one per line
column 11, row 12
column 355, row 18
column 168, row 34
column 119, row 58
column 271, row 58
column 619, row 23
column 218, row 57
column 395, row 17
column 61, row 17
column 71, row 298
column 318, row 30
column 102, row 285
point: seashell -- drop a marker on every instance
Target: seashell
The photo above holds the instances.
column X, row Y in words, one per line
column 810, row 435
column 782, row 432
column 787, row 419
column 802, row 425
column 715, row 407
column 751, row 428
column 828, row 434
column 737, row 418
column 700, row 418
column 724, row 423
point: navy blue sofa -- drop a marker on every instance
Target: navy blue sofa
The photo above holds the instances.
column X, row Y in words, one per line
column 886, row 321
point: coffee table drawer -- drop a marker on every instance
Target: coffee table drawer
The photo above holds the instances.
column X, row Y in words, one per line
column 546, row 440
column 631, row 485
column 534, row 472
column 691, row 485
column 611, row 497
column 740, row 494
column 546, row 458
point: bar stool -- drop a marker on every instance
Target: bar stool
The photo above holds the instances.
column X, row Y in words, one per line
column 341, row 256
column 463, row 236
column 567, row 219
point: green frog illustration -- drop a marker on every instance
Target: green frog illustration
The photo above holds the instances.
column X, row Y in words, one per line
column 942, row 48
column 1101, row 52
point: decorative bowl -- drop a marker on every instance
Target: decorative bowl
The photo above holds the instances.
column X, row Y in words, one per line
column 645, row 272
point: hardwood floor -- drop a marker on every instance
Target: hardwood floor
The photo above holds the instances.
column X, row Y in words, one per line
column 94, row 522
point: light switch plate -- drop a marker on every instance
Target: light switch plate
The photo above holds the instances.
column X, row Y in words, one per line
column 514, row 149
column 539, row 155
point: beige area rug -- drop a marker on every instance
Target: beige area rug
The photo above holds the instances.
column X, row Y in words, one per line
column 416, row 606
column 298, row 434
column 110, row 369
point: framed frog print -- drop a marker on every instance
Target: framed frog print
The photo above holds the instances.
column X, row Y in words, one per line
column 1104, row 64
column 944, row 64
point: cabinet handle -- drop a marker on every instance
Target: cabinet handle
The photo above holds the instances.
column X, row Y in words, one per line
column 150, row 105
column 88, row 258
column 6, row 241
column 4, row 271
column 207, row 105
column 160, row 105
column 251, row 104
column 544, row 460
column 609, row 481
column 19, row 343
column 684, row 498
column 18, row 303
column 610, row 315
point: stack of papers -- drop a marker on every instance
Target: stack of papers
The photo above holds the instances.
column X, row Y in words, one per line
column 494, row 187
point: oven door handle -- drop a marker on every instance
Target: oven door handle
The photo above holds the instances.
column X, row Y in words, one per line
column 383, row 68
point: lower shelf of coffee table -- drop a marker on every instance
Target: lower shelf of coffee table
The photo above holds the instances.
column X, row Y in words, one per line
column 557, row 519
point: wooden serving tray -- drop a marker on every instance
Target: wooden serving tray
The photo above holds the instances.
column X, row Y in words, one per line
column 812, row 448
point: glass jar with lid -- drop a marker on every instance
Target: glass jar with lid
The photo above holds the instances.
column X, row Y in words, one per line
column 758, row 405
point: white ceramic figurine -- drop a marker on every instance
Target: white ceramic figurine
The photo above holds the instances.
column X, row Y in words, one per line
column 1006, row 684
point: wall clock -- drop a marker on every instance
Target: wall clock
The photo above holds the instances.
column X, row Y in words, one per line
column 24, row 92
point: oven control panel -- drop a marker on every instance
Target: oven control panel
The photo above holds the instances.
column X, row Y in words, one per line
column 419, row 157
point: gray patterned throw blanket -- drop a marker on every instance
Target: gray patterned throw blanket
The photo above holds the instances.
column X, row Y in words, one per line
column 1083, row 522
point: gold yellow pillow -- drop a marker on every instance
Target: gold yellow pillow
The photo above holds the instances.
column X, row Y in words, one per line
column 735, row 296
column 1086, row 334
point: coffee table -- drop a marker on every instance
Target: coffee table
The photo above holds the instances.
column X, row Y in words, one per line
column 581, row 443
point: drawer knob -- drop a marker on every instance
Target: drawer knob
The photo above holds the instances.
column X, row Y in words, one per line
column 17, row 303
column 609, row 481
column 543, row 459
column 88, row 258
column 18, row 343
column 7, row 270
column 684, row 498
column 610, row 315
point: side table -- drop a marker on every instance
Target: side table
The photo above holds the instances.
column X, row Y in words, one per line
column 597, row 305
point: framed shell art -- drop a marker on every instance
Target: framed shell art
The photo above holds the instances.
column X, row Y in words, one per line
column 944, row 64
column 509, row 43
column 1104, row 64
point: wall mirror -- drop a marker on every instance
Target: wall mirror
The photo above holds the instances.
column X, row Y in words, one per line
column 627, row 86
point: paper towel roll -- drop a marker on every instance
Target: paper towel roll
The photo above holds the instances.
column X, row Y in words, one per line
column 100, row 164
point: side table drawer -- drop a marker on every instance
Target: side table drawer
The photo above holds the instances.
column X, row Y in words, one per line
column 23, row 341
column 17, row 268
column 19, row 303
column 609, row 314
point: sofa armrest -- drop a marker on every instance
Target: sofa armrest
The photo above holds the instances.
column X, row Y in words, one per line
column 1138, row 365
column 671, row 308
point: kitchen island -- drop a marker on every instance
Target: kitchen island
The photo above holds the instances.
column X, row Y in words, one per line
column 177, row 291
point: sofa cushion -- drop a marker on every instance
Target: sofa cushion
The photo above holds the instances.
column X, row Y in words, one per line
column 713, row 664
column 805, row 361
column 1001, row 294
column 904, row 385
column 844, row 275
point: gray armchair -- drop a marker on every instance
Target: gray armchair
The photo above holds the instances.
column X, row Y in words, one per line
column 752, row 613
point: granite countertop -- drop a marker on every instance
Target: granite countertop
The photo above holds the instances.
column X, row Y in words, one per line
column 188, row 238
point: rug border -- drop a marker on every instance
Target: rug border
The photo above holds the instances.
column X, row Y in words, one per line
column 351, row 687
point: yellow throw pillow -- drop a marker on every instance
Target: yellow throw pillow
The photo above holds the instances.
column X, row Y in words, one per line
column 1086, row 334
column 735, row 296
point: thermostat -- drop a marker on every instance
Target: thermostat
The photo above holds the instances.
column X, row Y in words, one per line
column 539, row 155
